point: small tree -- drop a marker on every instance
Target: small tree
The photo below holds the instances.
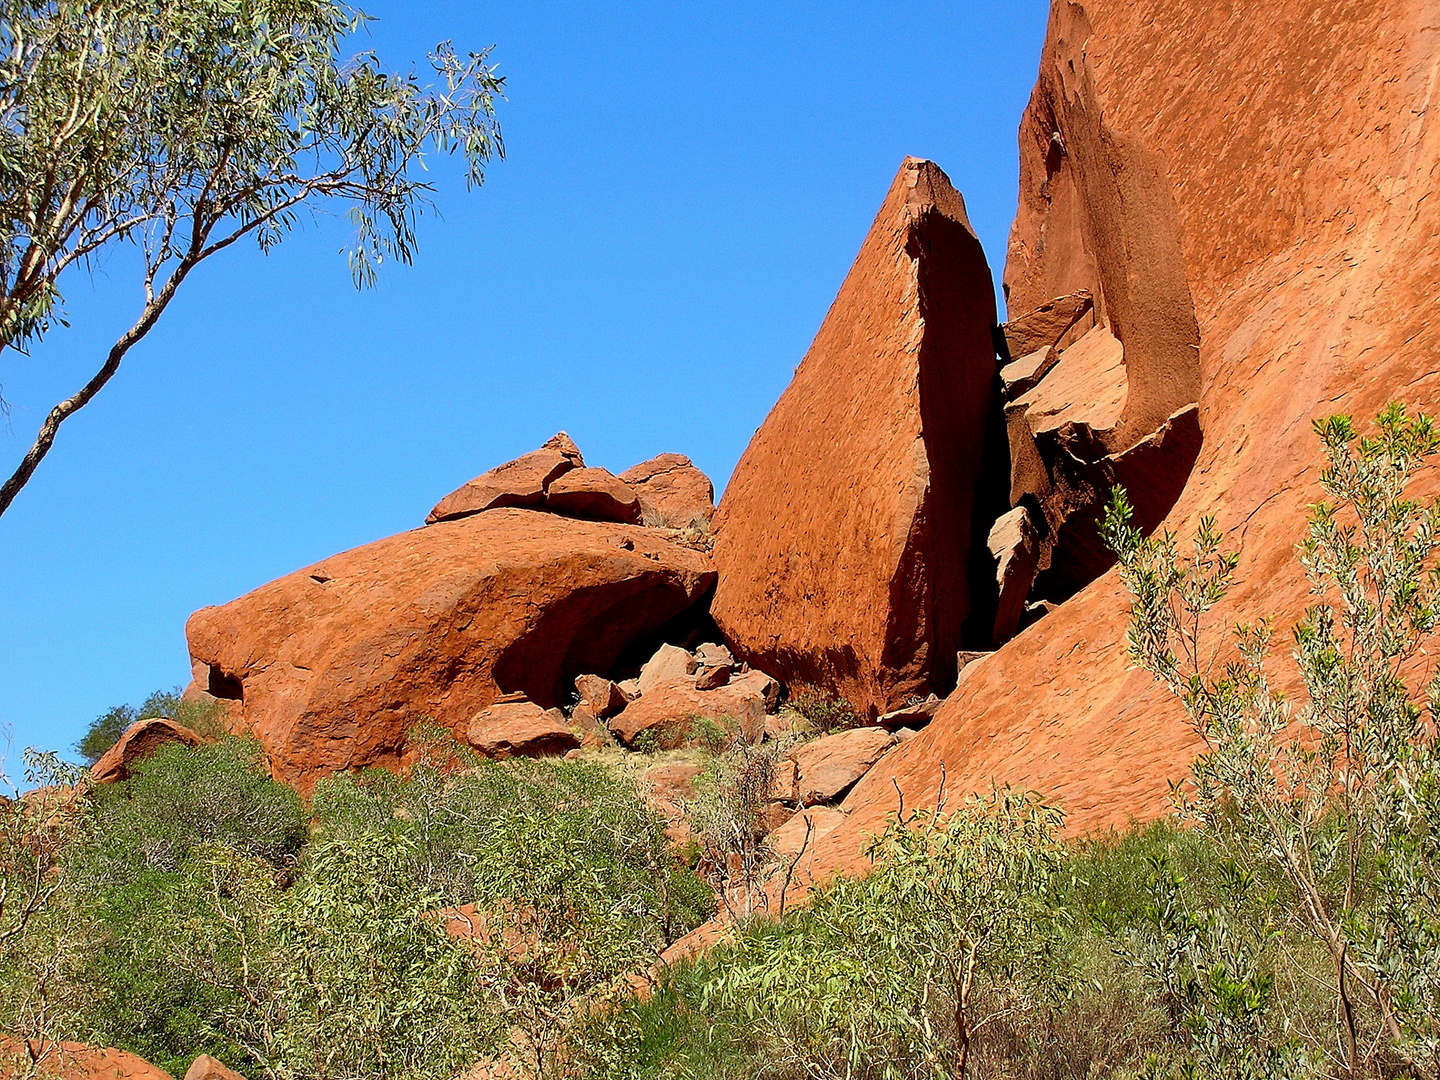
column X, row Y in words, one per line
column 1339, row 791
column 183, row 126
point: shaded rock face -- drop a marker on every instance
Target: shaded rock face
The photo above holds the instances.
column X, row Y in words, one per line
column 593, row 494
column 141, row 739
column 847, row 536
column 329, row 667
column 1272, row 183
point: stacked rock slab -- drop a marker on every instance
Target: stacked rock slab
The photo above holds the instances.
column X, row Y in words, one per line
column 845, row 536
column 1279, row 172
column 672, row 491
column 331, row 666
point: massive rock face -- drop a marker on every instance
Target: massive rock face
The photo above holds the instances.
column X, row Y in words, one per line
column 1245, row 191
column 330, row 666
column 847, row 536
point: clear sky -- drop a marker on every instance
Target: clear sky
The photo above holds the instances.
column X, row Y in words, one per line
column 685, row 186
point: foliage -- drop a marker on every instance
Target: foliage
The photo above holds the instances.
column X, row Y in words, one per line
column 1337, row 792
column 182, row 128
column 824, row 713
column 202, row 717
column 911, row 964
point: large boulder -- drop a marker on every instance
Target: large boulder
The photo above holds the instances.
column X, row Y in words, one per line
column 847, row 541
column 522, row 482
column 520, row 729
column 829, row 766
column 141, row 739
column 329, row 667
column 672, row 491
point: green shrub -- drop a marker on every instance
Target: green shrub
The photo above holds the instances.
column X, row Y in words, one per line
column 824, row 713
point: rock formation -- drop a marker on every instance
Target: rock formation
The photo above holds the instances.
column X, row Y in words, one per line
column 672, row 491
column 847, row 538
column 522, row 482
column 141, row 739
column 1246, row 201
column 73, row 1061
column 329, row 667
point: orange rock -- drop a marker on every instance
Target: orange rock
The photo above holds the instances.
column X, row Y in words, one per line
column 844, row 536
column 669, row 711
column 1051, row 326
column 521, row 482
column 668, row 788
column 141, row 739
column 602, row 696
column 1277, row 182
column 331, row 666
column 669, row 663
column 593, row 494
column 520, row 729
column 830, row 765
column 672, row 491
column 206, row 1067
column 72, row 1061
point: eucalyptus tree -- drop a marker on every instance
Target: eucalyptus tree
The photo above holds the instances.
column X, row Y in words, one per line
column 180, row 127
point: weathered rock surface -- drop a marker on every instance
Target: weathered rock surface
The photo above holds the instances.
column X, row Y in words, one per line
column 668, row 711
column 521, row 482
column 672, row 491
column 603, row 697
column 1015, row 545
column 669, row 663
column 74, row 1061
column 520, row 729
column 141, row 739
column 830, row 765
column 1272, row 183
column 845, row 537
column 911, row 717
column 329, row 667
column 595, row 495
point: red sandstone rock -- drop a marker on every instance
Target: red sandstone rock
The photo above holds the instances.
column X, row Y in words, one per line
column 844, row 535
column 668, row 664
column 673, row 492
column 602, row 696
column 802, row 832
column 590, row 729
column 911, row 717
column 830, row 765
column 1023, row 375
column 669, row 711
column 521, row 482
column 73, row 1061
column 1016, row 547
column 593, row 494
column 332, row 665
column 1052, row 325
column 141, row 739
column 520, row 729
column 1276, row 181
column 668, row 788
column 206, row 1067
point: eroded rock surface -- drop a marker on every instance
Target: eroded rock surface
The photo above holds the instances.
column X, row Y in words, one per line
column 522, row 482
column 141, row 739
column 846, row 538
column 673, row 492
column 329, row 667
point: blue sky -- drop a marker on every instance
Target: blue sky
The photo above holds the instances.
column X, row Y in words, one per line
column 685, row 186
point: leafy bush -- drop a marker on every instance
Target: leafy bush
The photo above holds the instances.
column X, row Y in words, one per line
column 1337, row 792
column 824, row 713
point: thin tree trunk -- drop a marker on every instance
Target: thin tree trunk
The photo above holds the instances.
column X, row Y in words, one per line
column 58, row 415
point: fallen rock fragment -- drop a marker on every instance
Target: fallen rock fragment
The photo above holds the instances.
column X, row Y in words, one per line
column 141, row 739
column 593, row 494
column 520, row 729
column 669, row 712
column 668, row 664
column 521, row 482
column 829, row 766
column 1047, row 326
column 673, row 492
column 1015, row 545
column 1023, row 375
column 206, row 1067
column 912, row 716
column 603, row 697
